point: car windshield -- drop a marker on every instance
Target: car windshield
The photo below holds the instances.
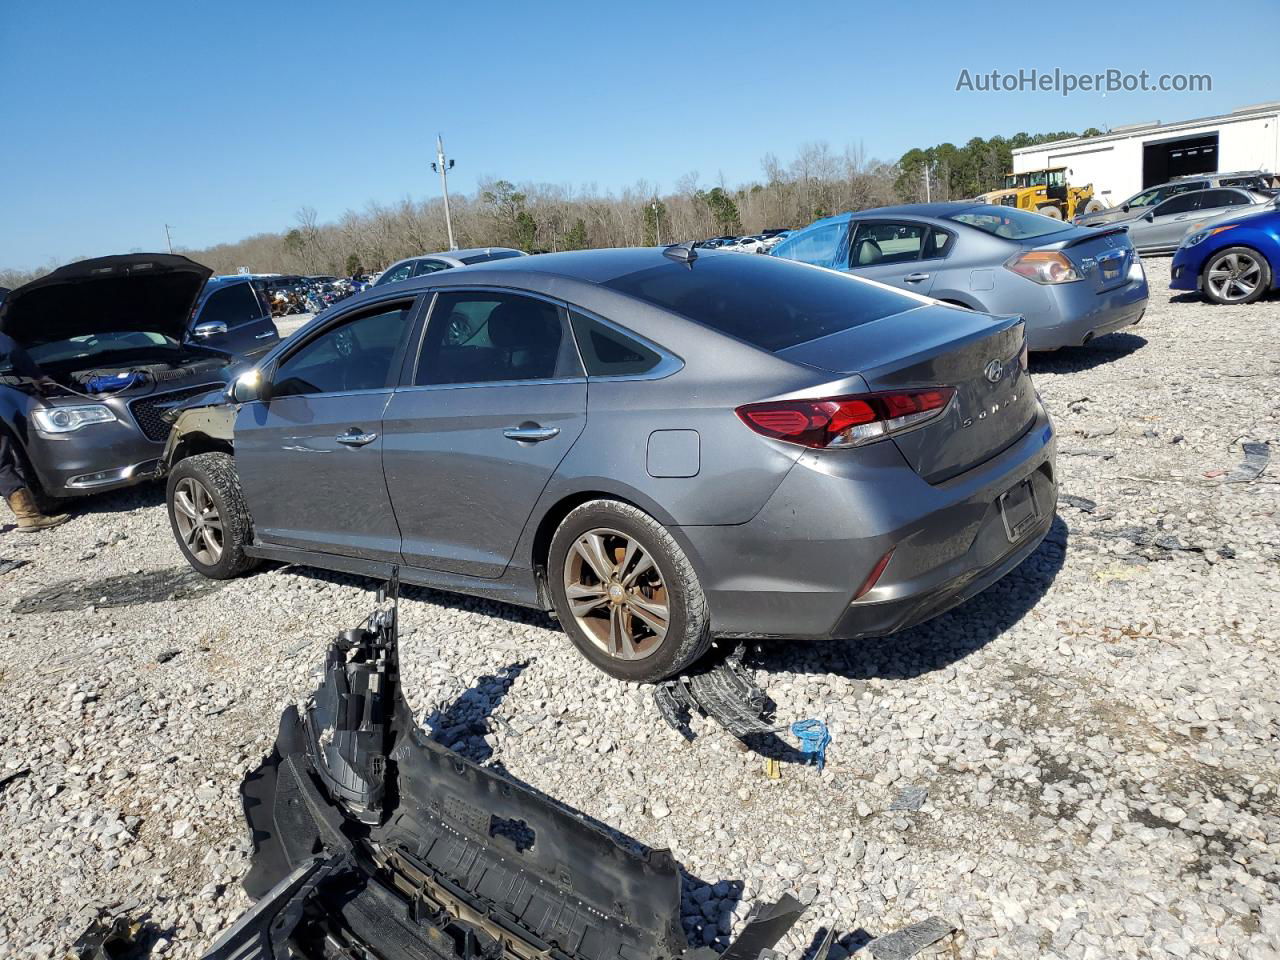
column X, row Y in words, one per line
column 772, row 304
column 94, row 344
column 1009, row 223
column 493, row 255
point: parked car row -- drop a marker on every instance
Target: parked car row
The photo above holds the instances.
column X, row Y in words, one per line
column 762, row 242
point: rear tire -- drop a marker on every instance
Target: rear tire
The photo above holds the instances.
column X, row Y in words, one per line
column 627, row 573
column 1049, row 210
column 209, row 517
column 1235, row 275
column 1093, row 206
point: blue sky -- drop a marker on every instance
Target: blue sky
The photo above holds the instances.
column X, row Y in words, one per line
column 223, row 119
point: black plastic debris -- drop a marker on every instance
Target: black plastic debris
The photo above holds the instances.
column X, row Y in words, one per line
column 1089, row 452
column 1256, row 457
column 12, row 775
column 724, row 692
column 907, row 942
column 372, row 840
column 8, row 566
column 115, row 938
column 1083, row 504
column 909, row 798
column 164, row 656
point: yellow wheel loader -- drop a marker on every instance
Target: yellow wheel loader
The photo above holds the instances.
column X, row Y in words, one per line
column 1046, row 192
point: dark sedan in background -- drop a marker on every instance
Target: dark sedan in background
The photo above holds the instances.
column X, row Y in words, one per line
column 113, row 333
column 1071, row 284
column 426, row 263
column 662, row 447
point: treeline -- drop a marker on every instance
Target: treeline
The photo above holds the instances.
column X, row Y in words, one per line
column 817, row 182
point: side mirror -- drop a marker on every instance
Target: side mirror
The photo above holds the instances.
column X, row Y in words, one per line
column 1150, row 217
column 249, row 386
column 211, row 328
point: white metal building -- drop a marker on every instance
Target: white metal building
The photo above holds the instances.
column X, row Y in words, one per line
column 1122, row 161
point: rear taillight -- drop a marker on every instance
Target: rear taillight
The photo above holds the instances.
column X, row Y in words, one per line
column 1044, row 266
column 840, row 422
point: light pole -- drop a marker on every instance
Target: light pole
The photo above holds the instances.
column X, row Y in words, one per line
column 167, row 238
column 443, row 168
column 657, row 222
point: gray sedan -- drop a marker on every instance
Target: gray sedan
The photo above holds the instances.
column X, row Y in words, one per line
column 1070, row 283
column 427, row 263
column 661, row 447
column 1161, row 228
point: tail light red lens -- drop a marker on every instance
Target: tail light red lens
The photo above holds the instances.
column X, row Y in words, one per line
column 840, row 422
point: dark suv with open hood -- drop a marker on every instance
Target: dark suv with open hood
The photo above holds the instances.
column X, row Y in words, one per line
column 111, row 332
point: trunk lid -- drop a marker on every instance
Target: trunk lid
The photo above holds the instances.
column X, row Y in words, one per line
column 144, row 292
column 1103, row 256
column 975, row 353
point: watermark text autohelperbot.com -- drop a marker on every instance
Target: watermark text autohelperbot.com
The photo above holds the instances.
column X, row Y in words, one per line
column 1066, row 83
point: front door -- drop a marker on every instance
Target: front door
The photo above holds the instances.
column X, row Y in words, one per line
column 496, row 400
column 234, row 319
column 310, row 456
column 1169, row 221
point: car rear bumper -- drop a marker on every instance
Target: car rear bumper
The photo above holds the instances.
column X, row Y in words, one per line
column 1078, row 314
column 793, row 570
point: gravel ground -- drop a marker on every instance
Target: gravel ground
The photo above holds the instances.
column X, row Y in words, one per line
column 1097, row 733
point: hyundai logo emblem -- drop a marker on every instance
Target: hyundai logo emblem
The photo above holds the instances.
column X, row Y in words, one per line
column 994, row 371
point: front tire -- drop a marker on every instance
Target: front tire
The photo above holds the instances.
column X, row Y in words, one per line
column 1235, row 275
column 626, row 593
column 209, row 517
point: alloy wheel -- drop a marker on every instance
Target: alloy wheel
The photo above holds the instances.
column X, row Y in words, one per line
column 198, row 520
column 617, row 594
column 1234, row 277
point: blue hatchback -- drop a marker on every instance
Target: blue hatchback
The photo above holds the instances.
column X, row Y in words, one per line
column 1231, row 261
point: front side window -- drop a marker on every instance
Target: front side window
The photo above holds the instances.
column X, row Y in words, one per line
column 818, row 246
column 233, row 306
column 607, row 352
column 877, row 243
column 1180, row 204
column 403, row 272
column 357, row 354
column 484, row 337
column 429, row 266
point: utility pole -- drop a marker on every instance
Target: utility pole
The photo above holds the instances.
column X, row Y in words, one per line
column 928, row 189
column 443, row 168
column 167, row 238
column 657, row 222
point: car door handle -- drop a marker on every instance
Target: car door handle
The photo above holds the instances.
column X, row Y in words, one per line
column 264, row 336
column 915, row 277
column 531, row 434
column 354, row 438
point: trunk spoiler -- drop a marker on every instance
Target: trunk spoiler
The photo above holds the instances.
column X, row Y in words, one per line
column 1094, row 235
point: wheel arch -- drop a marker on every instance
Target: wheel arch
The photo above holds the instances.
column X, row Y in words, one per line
column 565, row 503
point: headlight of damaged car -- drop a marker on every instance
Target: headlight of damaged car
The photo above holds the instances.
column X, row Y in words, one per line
column 1200, row 236
column 67, row 419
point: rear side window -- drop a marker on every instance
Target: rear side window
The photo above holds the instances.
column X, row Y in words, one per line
column 481, row 337
column 769, row 303
column 233, row 306
column 607, row 352
column 820, row 246
column 1222, row 198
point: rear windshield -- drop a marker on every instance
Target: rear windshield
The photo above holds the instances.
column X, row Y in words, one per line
column 770, row 303
column 496, row 255
column 1009, row 223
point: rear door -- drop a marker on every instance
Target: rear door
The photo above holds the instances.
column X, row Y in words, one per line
column 310, row 456
column 235, row 319
column 493, row 402
column 894, row 252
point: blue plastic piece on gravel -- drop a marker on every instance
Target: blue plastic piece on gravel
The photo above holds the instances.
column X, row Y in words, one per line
column 813, row 740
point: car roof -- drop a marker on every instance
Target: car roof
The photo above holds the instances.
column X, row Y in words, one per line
column 1217, row 175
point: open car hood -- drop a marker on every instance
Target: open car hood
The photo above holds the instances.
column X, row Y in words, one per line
column 147, row 292
column 371, row 840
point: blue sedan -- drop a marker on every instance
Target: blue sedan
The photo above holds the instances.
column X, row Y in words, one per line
column 1231, row 261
